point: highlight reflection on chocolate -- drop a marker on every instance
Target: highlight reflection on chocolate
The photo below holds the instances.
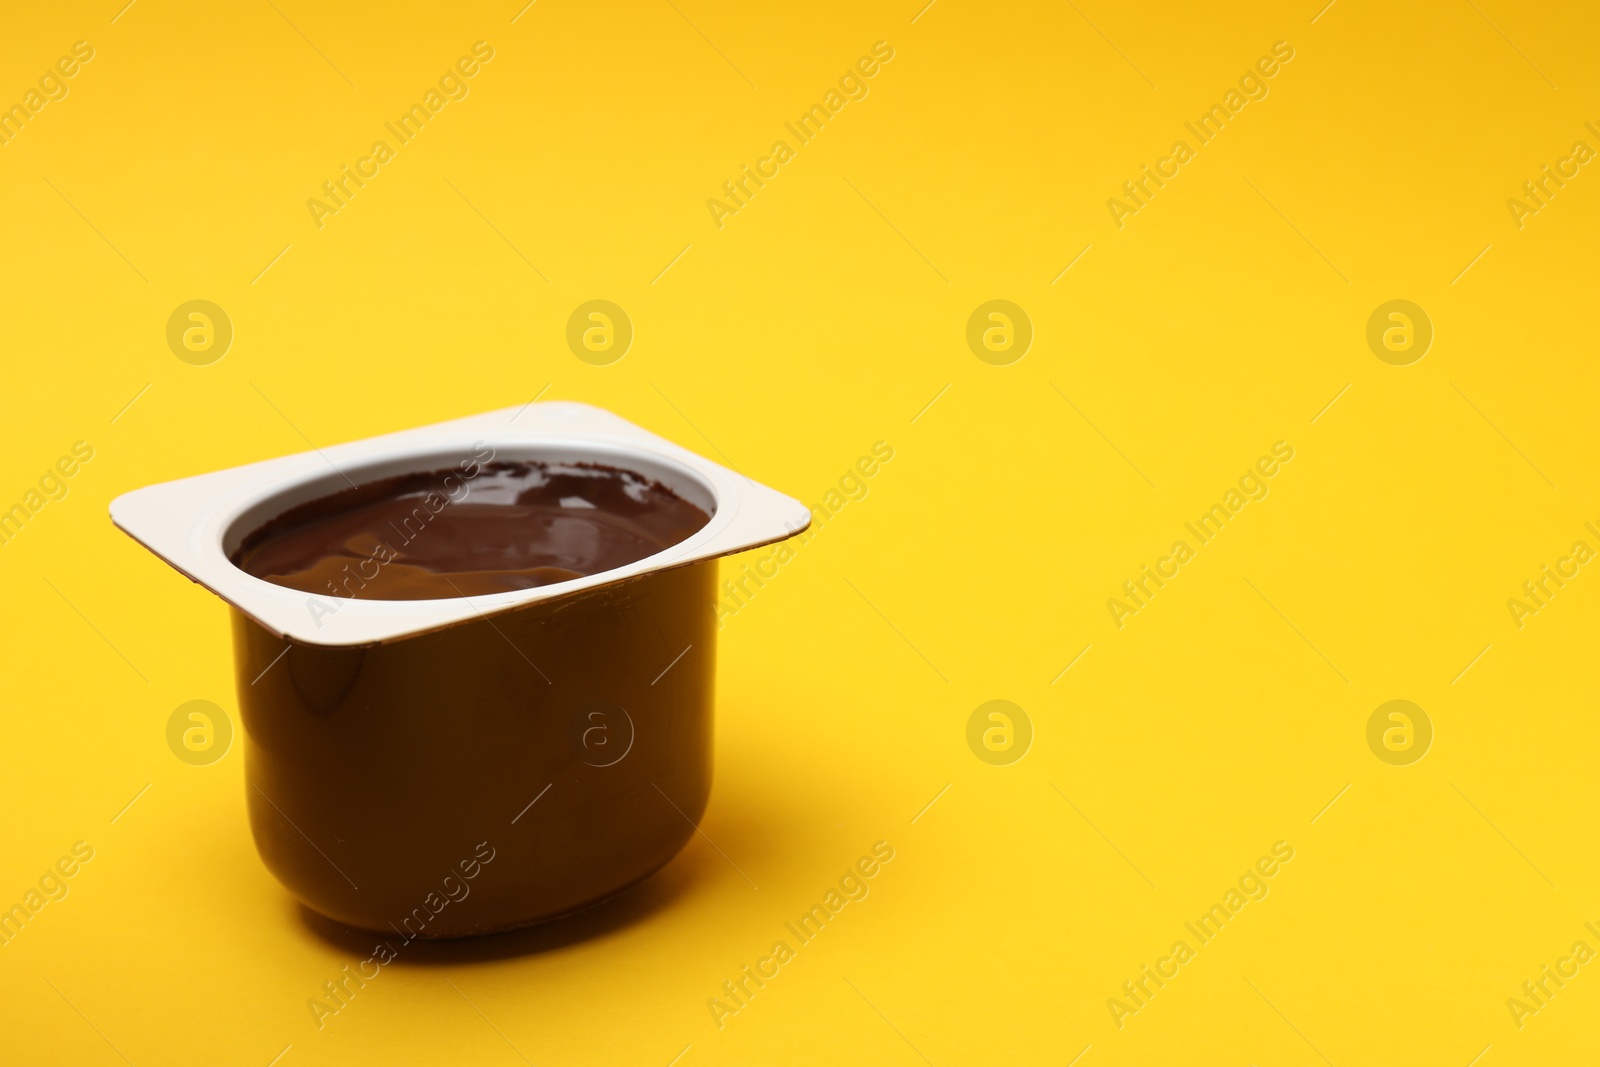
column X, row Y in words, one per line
column 445, row 533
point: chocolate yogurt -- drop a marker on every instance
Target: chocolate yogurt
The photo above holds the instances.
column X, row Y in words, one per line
column 480, row 529
column 475, row 661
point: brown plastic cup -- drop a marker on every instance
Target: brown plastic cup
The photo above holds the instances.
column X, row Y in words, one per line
column 444, row 768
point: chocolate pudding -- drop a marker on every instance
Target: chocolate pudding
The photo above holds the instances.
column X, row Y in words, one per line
column 469, row 531
column 422, row 765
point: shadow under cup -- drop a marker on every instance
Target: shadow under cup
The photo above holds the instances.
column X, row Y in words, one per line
column 491, row 774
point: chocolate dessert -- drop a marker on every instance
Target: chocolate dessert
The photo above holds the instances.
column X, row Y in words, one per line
column 472, row 531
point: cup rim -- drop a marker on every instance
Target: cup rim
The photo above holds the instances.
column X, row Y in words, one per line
column 194, row 523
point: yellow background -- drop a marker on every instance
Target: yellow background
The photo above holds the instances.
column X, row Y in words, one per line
column 821, row 318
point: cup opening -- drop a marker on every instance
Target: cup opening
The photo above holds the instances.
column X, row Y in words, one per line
column 285, row 496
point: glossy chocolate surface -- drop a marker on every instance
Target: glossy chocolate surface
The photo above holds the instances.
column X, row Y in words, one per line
column 469, row 531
